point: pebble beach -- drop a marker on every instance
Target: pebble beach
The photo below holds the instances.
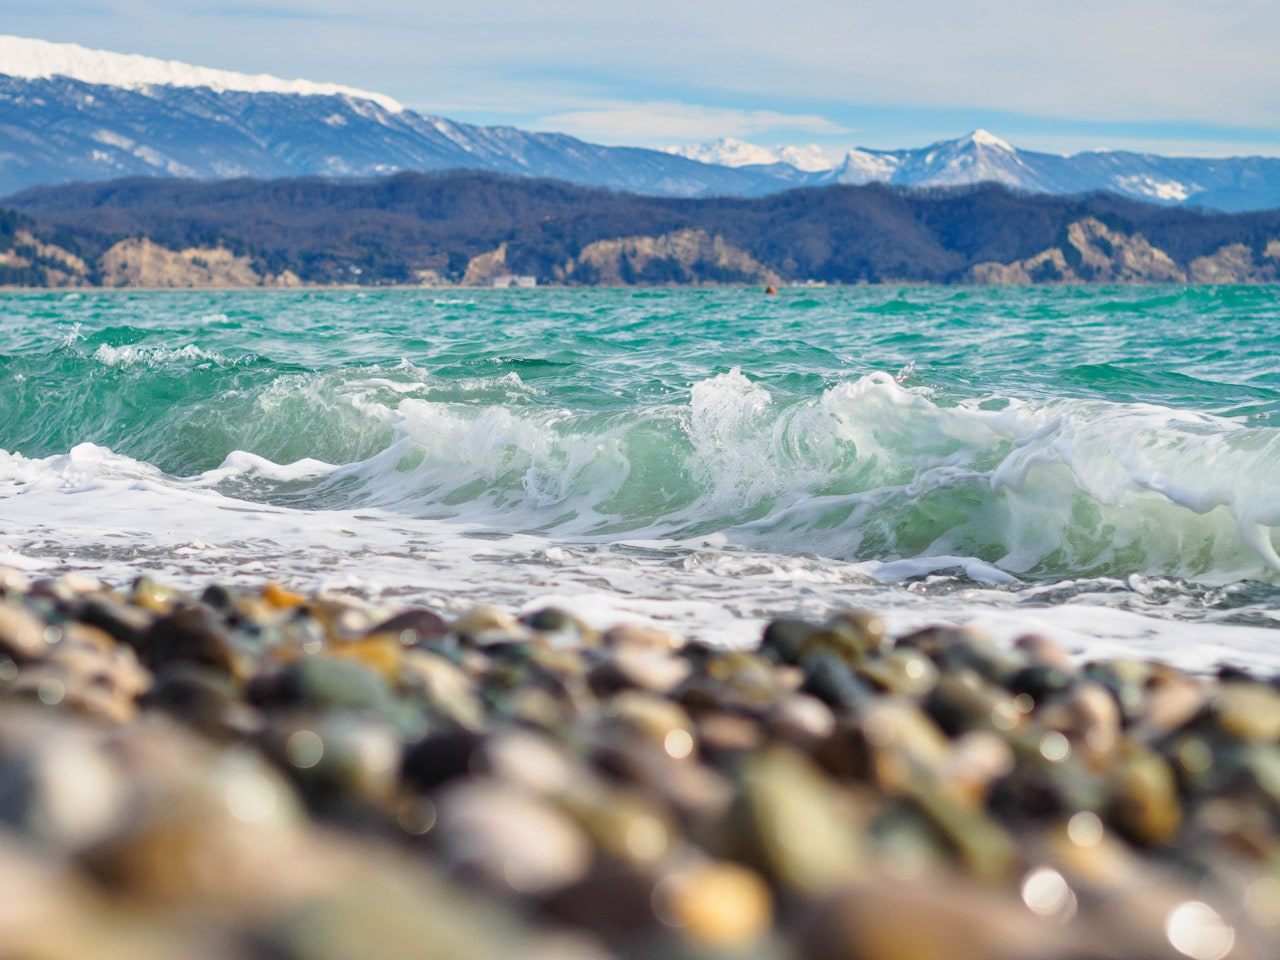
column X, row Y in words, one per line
column 267, row 772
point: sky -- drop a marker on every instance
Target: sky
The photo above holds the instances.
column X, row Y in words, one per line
column 1179, row 77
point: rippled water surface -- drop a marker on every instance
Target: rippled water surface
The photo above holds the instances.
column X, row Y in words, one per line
column 1099, row 463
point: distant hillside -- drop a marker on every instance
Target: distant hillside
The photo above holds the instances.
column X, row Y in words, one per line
column 473, row 227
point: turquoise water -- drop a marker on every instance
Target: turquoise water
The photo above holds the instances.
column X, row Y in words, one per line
column 978, row 448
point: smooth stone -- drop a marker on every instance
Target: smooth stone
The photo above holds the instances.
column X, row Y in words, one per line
column 639, row 668
column 638, row 635
column 509, row 839
column 723, row 737
column 342, row 617
column 207, row 828
column 1090, row 717
column 982, row 845
column 14, row 581
column 954, row 649
column 530, row 761
column 57, row 784
column 23, row 635
column 660, row 721
column 1127, row 681
column 913, row 919
column 838, row 641
column 278, row 597
column 975, row 761
column 206, row 700
column 783, row 639
column 190, row 635
column 906, row 672
column 1262, row 763
column 867, row 628
column 684, row 785
column 560, row 627
column 536, row 707
column 447, row 690
column 1043, row 651
column 901, row 740
column 339, row 756
column 789, row 823
column 967, row 701
column 1169, row 704
column 154, row 596
column 1248, row 711
column 440, row 757
column 108, row 675
column 367, row 902
column 75, row 634
column 327, row 682
column 413, row 627
column 484, row 624
column 382, row 653
column 1040, row 682
column 1144, row 804
column 802, row 720
column 752, row 681
column 720, row 905
column 832, row 680
column 125, row 623
column 625, row 825
column 615, row 901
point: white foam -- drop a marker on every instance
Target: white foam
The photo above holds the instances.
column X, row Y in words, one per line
column 869, row 468
column 115, row 526
column 131, row 355
column 41, row 59
column 711, row 514
column 240, row 463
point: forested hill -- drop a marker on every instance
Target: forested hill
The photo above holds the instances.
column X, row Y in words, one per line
column 472, row 227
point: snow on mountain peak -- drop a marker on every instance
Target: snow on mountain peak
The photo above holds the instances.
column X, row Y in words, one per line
column 41, row 59
column 725, row 152
column 809, row 159
column 984, row 138
column 728, row 152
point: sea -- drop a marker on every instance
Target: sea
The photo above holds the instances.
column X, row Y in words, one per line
column 1097, row 464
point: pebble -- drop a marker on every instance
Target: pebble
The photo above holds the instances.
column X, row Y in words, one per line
column 308, row 775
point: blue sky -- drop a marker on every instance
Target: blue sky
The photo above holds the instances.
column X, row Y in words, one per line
column 1174, row 77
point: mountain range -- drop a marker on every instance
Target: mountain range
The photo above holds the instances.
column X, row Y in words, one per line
column 69, row 114
column 1230, row 184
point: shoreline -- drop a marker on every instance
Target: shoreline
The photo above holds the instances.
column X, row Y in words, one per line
column 312, row 775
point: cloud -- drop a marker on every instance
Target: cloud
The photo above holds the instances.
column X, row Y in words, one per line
column 668, row 70
column 671, row 122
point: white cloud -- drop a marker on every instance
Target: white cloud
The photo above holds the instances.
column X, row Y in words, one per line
column 814, row 64
column 664, row 122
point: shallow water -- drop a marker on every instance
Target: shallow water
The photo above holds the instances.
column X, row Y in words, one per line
column 1097, row 463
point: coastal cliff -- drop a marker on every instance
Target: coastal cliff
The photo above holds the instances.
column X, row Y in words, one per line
column 479, row 230
column 1091, row 252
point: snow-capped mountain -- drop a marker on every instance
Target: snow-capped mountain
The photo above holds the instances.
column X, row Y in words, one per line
column 728, row 152
column 68, row 113
column 1235, row 183
column 43, row 60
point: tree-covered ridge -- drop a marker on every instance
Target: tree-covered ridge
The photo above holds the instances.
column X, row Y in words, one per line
column 411, row 228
